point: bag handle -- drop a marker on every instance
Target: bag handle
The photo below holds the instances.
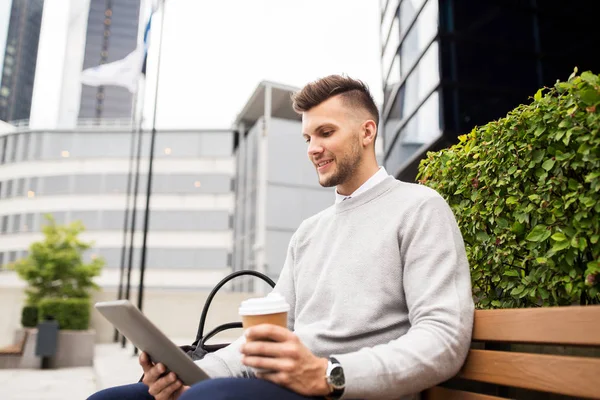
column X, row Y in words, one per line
column 219, row 285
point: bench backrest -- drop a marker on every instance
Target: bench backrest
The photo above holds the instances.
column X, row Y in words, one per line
column 499, row 356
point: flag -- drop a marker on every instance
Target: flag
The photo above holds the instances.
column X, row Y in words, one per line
column 124, row 72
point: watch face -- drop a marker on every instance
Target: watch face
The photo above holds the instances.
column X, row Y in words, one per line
column 337, row 378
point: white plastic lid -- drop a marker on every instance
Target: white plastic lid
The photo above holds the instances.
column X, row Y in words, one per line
column 272, row 304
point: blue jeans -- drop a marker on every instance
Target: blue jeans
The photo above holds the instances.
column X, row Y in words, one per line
column 212, row 389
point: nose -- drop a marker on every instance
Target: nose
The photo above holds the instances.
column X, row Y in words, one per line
column 314, row 148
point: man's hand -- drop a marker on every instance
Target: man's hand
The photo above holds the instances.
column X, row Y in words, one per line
column 290, row 363
column 166, row 387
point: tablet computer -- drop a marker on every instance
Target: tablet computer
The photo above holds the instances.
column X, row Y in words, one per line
column 134, row 325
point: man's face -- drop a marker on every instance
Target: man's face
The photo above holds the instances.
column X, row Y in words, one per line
column 331, row 130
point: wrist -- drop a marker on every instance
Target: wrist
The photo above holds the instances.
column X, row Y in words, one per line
column 322, row 385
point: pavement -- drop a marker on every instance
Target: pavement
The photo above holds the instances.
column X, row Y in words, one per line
column 113, row 365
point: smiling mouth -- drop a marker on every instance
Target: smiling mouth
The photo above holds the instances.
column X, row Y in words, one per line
column 323, row 163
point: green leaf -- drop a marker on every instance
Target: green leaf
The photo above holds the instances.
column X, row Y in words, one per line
column 482, row 236
column 541, row 260
column 548, row 164
column 512, row 170
column 559, row 237
column 592, row 176
column 518, row 290
column 511, row 272
column 538, row 95
column 538, row 234
column 590, row 96
column 569, row 287
column 594, row 239
column 538, row 132
column 512, row 200
column 538, row 156
column 543, row 293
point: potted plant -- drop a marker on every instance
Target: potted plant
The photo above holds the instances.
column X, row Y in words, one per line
column 525, row 190
column 59, row 283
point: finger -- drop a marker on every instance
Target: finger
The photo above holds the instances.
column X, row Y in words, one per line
column 168, row 391
column 270, row 349
column 144, row 361
column 268, row 331
column 271, row 364
column 154, row 373
column 279, row 378
column 160, row 385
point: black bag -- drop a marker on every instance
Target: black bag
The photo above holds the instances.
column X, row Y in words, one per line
column 199, row 348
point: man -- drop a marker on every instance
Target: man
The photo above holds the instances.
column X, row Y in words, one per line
column 378, row 283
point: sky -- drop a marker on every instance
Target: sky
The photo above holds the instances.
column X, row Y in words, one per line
column 215, row 53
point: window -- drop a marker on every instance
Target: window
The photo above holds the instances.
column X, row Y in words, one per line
column 56, row 185
column 9, row 185
column 12, row 256
column 25, row 146
column 391, row 48
column 5, row 224
column 421, row 34
column 3, row 143
column 88, row 184
column 28, row 225
column 57, row 145
column 16, row 228
column 89, row 219
column 1, row 259
column 20, row 188
column 390, row 13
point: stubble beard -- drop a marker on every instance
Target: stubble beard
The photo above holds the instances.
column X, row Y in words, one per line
column 346, row 167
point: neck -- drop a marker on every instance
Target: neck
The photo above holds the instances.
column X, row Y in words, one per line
column 362, row 174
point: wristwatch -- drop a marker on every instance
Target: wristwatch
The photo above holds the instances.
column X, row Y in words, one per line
column 335, row 379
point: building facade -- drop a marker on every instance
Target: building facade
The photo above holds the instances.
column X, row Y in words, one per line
column 276, row 185
column 450, row 65
column 83, row 175
column 20, row 58
column 112, row 33
column 78, row 34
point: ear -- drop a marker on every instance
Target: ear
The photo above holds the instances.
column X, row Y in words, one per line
column 369, row 131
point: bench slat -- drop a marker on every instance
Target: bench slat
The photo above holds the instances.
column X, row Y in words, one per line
column 440, row 393
column 572, row 376
column 576, row 325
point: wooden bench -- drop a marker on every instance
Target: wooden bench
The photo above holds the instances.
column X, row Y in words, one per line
column 10, row 356
column 535, row 353
column 15, row 349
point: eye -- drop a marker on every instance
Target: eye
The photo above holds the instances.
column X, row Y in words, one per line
column 307, row 139
column 327, row 134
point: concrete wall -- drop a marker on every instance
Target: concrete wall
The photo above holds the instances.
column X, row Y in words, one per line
column 175, row 312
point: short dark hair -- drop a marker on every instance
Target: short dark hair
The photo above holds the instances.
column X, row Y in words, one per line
column 354, row 93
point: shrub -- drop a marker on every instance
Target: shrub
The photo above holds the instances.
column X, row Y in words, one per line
column 526, row 194
column 29, row 316
column 54, row 267
column 69, row 313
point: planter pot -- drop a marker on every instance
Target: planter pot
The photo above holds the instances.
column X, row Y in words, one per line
column 74, row 349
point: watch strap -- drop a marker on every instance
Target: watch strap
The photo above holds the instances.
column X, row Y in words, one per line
column 336, row 393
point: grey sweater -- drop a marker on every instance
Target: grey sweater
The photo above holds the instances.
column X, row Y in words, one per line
column 381, row 282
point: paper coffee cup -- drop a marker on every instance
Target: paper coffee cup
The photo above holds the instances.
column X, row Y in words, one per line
column 272, row 309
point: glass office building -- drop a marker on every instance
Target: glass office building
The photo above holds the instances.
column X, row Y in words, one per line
column 449, row 65
column 20, row 58
column 112, row 32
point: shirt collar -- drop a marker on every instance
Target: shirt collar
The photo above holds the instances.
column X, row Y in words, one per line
column 377, row 177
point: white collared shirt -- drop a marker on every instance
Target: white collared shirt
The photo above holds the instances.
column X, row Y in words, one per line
column 379, row 176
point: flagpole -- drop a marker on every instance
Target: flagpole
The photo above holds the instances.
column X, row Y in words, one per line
column 127, row 199
column 150, row 166
column 139, row 133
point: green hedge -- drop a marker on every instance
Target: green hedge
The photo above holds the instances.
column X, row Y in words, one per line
column 526, row 194
column 69, row 313
column 29, row 316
